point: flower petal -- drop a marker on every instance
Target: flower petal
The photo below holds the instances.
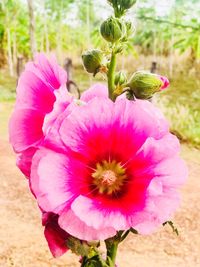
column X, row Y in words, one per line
column 25, row 128
column 32, row 92
column 55, row 236
column 123, row 126
column 49, row 180
column 24, row 161
column 95, row 215
column 73, row 225
column 97, row 90
column 48, row 70
column 87, row 127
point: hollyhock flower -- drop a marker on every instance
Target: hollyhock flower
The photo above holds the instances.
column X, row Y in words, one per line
column 118, row 168
column 40, row 86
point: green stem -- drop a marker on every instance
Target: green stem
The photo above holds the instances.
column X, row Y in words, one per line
column 111, row 75
column 112, row 253
column 84, row 259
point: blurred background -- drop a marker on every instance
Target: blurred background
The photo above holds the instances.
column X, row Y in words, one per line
column 166, row 41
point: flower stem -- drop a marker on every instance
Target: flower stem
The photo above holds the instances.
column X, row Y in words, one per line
column 83, row 261
column 112, row 253
column 111, row 75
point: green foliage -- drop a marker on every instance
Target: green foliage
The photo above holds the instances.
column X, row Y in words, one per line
column 182, row 25
column 55, row 32
column 182, row 108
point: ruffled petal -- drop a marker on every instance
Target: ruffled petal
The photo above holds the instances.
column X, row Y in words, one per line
column 32, row 92
column 78, row 228
column 150, row 154
column 172, row 172
column 48, row 70
column 25, row 128
column 123, row 126
column 97, row 90
column 63, row 100
column 158, row 209
column 49, row 182
column 24, row 161
column 96, row 215
column 88, row 127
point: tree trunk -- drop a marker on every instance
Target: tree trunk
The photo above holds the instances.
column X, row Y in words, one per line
column 31, row 27
column 171, row 57
column 46, row 33
column 10, row 61
column 9, row 45
column 59, row 35
column 15, row 46
column 88, row 24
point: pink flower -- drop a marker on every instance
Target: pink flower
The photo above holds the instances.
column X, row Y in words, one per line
column 42, row 82
column 107, row 167
column 95, row 167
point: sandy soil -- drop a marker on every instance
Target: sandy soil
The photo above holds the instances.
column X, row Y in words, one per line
column 22, row 243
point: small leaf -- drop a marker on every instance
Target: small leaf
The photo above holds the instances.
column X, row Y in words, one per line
column 133, row 231
column 171, row 224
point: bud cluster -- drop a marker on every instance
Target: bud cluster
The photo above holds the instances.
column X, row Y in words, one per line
column 117, row 31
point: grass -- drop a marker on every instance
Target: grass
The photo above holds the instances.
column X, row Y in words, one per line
column 7, row 86
column 180, row 103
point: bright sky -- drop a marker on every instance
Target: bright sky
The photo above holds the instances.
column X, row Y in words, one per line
column 162, row 6
column 104, row 10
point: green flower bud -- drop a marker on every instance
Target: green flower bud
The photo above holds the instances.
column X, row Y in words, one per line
column 112, row 29
column 126, row 4
column 120, row 6
column 93, row 60
column 144, row 85
column 120, row 78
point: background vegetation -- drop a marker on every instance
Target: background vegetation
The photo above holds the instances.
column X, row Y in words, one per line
column 167, row 33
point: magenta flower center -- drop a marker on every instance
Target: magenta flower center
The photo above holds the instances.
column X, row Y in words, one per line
column 109, row 177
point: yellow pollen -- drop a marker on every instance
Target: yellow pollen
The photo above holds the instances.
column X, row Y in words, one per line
column 108, row 177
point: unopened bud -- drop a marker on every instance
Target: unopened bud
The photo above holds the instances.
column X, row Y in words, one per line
column 93, row 60
column 144, row 85
column 112, row 29
column 120, row 6
column 126, row 4
column 120, row 78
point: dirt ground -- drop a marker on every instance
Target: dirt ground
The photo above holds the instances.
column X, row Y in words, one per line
column 22, row 243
